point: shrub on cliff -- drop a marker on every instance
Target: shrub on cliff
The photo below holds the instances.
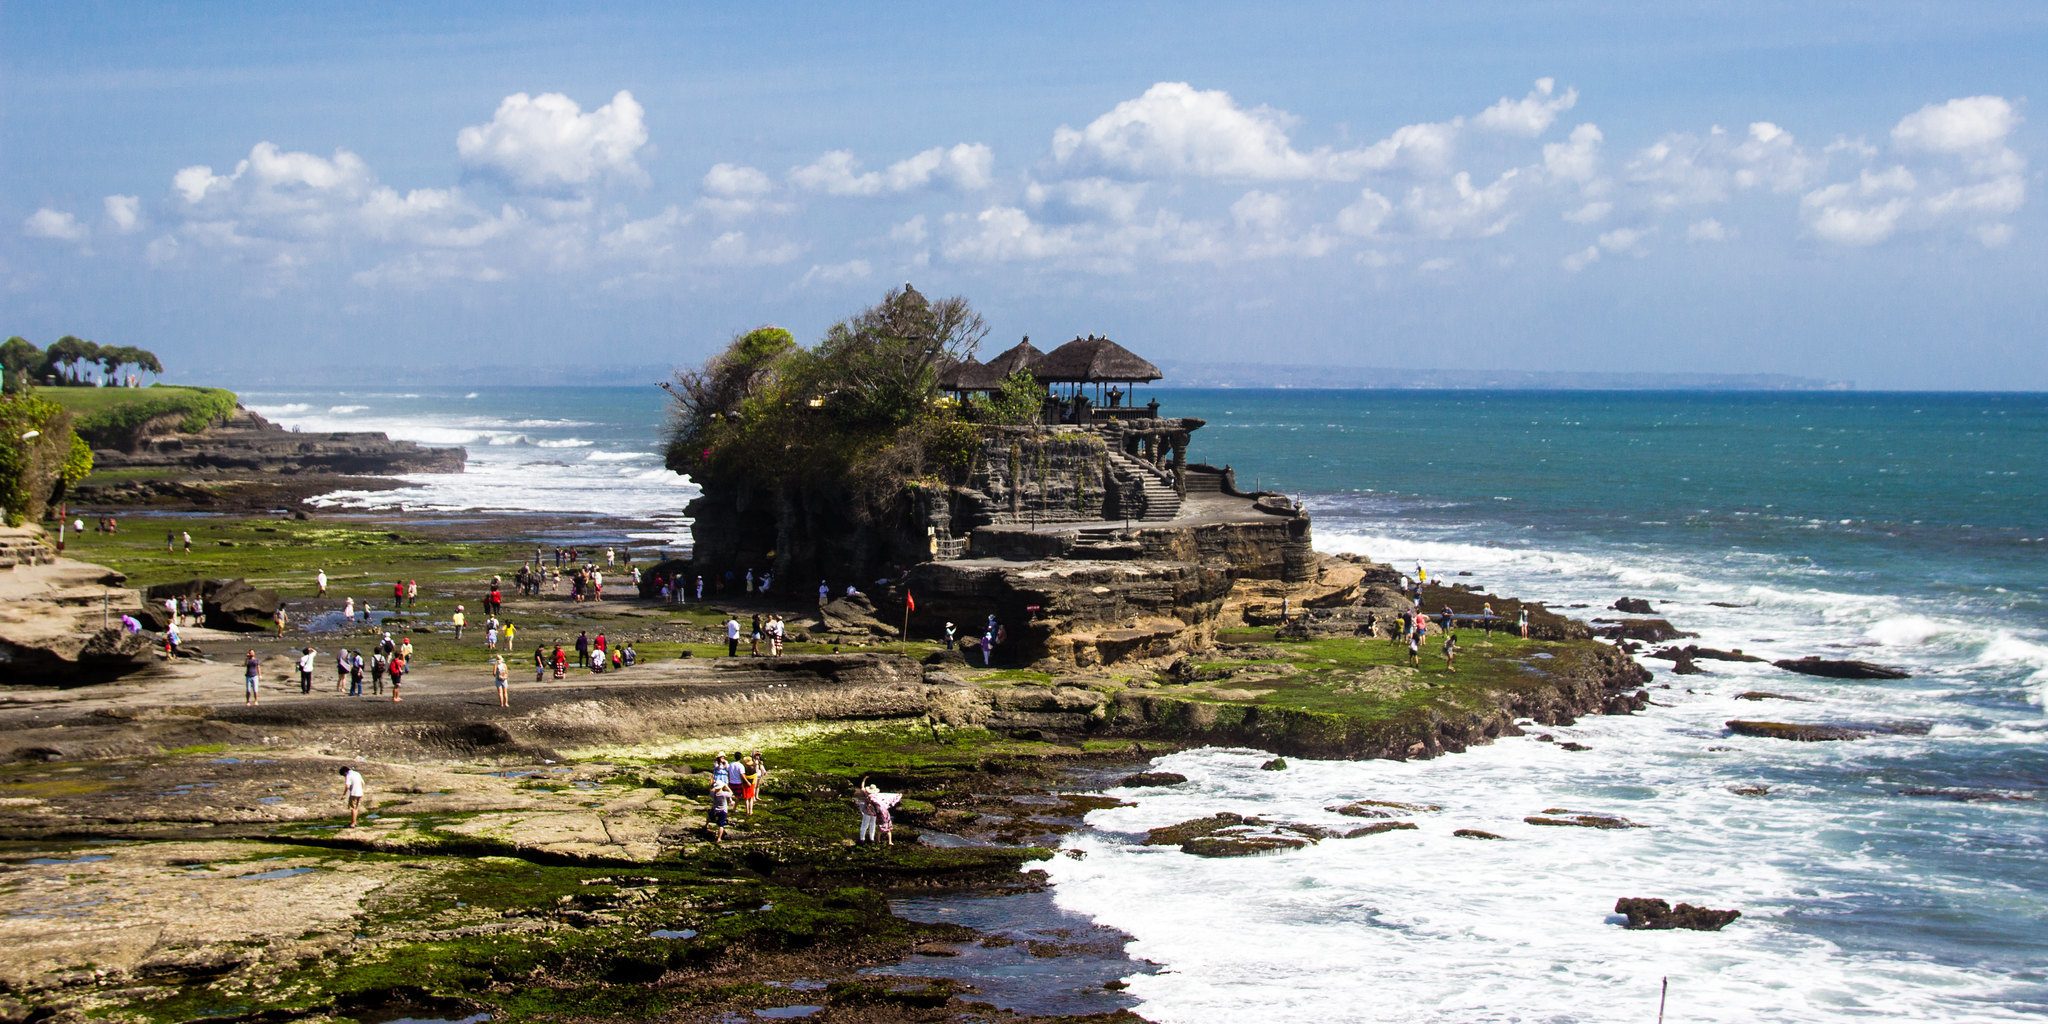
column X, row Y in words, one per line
column 35, row 470
column 861, row 411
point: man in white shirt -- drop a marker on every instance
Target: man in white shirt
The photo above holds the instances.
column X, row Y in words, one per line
column 352, row 788
column 732, row 636
column 307, row 658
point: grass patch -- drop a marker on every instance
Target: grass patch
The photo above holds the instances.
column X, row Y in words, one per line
column 111, row 417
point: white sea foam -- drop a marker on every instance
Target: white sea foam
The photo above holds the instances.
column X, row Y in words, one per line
column 343, row 410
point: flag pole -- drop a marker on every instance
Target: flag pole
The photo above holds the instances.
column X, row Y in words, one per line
column 909, row 602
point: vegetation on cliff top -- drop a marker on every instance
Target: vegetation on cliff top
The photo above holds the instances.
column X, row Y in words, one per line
column 862, row 410
column 67, row 359
column 40, row 456
column 112, row 417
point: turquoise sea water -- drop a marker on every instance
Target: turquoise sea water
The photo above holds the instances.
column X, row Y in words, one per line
column 1898, row 878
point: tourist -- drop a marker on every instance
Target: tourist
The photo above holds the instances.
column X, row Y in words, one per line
column 348, row 610
column 352, row 788
column 355, row 673
column 824, row 593
column 767, row 581
column 503, row 676
column 170, row 541
column 608, row 556
column 1487, row 617
column 378, row 661
column 321, row 580
column 412, row 593
column 755, row 635
column 582, row 648
column 988, row 648
column 398, row 595
column 405, row 648
column 561, row 661
column 306, row 670
column 1415, row 649
column 732, row 634
column 398, row 666
column 721, row 809
column 340, row 669
column 172, row 641
column 171, row 610
column 1450, row 651
column 252, row 671
column 876, row 821
column 188, row 541
column 600, row 646
column 736, row 771
column 775, row 636
column 460, row 620
column 540, row 663
column 629, row 657
column 491, row 634
column 700, row 587
column 750, row 581
column 750, row 785
column 952, row 634
column 1524, row 617
column 618, row 660
column 511, row 634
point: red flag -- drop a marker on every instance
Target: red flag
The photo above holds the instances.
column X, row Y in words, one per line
column 909, row 601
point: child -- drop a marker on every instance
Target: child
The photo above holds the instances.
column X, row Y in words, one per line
column 721, row 808
column 1450, row 652
column 1414, row 650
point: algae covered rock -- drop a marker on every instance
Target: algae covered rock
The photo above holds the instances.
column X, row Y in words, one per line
column 1655, row 914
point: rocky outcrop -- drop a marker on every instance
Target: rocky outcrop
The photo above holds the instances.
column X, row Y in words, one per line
column 1226, row 834
column 1633, row 606
column 1080, row 613
column 1143, row 780
column 1821, row 732
column 60, row 620
column 1559, row 817
column 250, row 444
column 232, row 605
column 1654, row 631
column 1841, row 669
column 1695, row 652
column 1655, row 914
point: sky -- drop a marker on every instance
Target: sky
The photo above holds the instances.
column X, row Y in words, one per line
column 373, row 193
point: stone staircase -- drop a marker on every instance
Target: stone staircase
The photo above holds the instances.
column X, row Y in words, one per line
column 1158, row 497
column 1204, row 482
column 24, row 547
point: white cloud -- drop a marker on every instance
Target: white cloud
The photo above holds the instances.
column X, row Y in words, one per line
column 1863, row 212
column 968, row 167
column 649, row 238
column 1086, row 198
column 1958, row 126
column 737, row 181
column 911, row 231
column 736, row 249
column 547, row 143
column 1460, row 210
column 1007, row 234
column 1260, row 211
column 1577, row 158
column 1683, row 169
column 1365, row 214
column 1422, row 147
column 1589, row 213
column 1530, row 116
column 419, row 270
column 1998, row 197
column 1176, row 129
column 1628, row 240
column 1993, row 236
column 837, row 273
column 1708, row 230
column 123, row 212
column 1580, row 260
column 1436, row 264
column 56, row 225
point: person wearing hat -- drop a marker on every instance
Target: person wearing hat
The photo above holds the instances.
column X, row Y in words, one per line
column 461, row 620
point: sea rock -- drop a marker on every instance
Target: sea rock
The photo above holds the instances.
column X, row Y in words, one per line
column 1750, row 790
column 852, row 613
column 1377, row 828
column 1969, row 796
column 1226, row 834
column 1278, row 764
column 1573, row 746
column 1655, row 914
column 1559, row 817
column 1768, row 695
column 1841, row 669
column 1475, row 833
column 1147, row 779
column 1654, row 631
column 1633, row 606
column 1802, row 732
column 1381, row 809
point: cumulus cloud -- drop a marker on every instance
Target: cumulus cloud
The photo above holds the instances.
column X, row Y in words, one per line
column 1008, row 234
column 1582, row 259
column 736, row 249
column 1958, row 126
column 1086, row 199
column 737, row 181
column 1863, row 212
column 1683, row 169
column 56, row 225
column 124, row 213
column 837, row 273
column 1589, row 213
column 1260, row 211
column 967, row 166
column 1575, row 159
column 1530, row 116
column 547, row 143
column 1365, row 214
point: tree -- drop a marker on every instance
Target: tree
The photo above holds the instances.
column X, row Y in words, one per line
column 19, row 360
column 1019, row 401
column 33, row 470
column 885, row 359
column 69, row 351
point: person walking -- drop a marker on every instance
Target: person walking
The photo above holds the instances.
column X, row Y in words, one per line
column 511, row 634
column 775, row 636
column 279, row 618
column 721, row 810
column 340, row 669
column 583, row 649
column 398, row 669
column 412, row 593
column 561, row 662
column 1450, row 651
column 460, row 620
column 252, row 672
column 352, row 791
column 348, row 610
column 540, row 663
column 751, row 779
column 491, row 634
column 754, row 650
column 1414, row 650
column 378, row 661
column 306, row 670
column 824, row 593
column 188, row 541
column 504, row 679
column 355, row 673
column 732, row 632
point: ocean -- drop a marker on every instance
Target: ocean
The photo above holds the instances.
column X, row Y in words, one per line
column 1899, row 877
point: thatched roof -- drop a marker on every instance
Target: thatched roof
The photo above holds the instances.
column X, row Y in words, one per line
column 1089, row 360
column 969, row 374
column 1021, row 356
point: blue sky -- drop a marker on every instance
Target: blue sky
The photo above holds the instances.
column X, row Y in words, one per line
column 1828, row 190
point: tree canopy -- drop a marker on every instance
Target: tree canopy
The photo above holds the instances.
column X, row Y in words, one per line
column 67, row 359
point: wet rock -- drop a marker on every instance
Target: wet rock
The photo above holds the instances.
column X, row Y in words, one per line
column 1633, row 606
column 233, row 604
column 1841, row 669
column 1379, row 827
column 937, row 949
column 1768, row 695
column 1474, row 833
column 1278, row 764
column 1654, row 631
column 1243, row 845
column 1655, row 914
column 1750, row 790
column 1802, row 732
column 1968, row 796
column 1226, row 834
column 1148, row 779
column 1381, row 809
column 1559, row 817
column 1573, row 746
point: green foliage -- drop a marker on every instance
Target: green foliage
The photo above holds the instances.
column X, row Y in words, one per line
column 66, row 358
column 33, row 470
column 1018, row 402
column 111, row 417
column 20, row 359
column 861, row 409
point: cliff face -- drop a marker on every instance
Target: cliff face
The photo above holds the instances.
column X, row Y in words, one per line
column 1076, row 612
column 250, row 444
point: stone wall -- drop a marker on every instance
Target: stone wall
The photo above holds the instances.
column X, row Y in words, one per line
column 1025, row 474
